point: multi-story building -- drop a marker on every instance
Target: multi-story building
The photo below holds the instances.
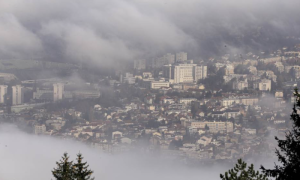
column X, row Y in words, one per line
column 161, row 61
column 295, row 70
column 200, row 72
column 185, row 73
column 40, row 129
column 214, row 126
column 127, row 78
column 58, row 91
column 182, row 56
column 247, row 101
column 43, row 94
column 169, row 58
column 279, row 66
column 159, row 84
column 17, row 95
column 229, row 69
column 262, row 85
column 187, row 101
column 3, row 92
column 240, row 85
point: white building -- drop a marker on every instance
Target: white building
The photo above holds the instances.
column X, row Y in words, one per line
column 39, row 129
column 187, row 101
column 17, row 95
column 58, row 91
column 240, row 85
column 3, row 92
column 185, row 73
column 213, row 126
column 159, row 84
column 200, row 72
column 262, row 85
column 128, row 78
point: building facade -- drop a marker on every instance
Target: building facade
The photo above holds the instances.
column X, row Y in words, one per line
column 58, row 91
column 3, row 92
column 17, row 95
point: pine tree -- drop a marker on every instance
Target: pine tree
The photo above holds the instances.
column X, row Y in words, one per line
column 289, row 149
column 240, row 172
column 81, row 171
column 64, row 169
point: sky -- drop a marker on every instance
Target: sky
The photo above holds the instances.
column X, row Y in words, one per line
column 101, row 32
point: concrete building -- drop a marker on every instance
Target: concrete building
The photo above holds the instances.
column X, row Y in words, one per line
column 43, row 94
column 200, row 72
column 17, row 95
column 127, row 78
column 185, row 73
column 40, row 129
column 229, row 69
column 159, row 84
column 214, row 126
column 240, row 85
column 58, row 91
column 3, row 92
column 169, row 58
column 161, row 61
column 182, row 56
column 187, row 101
column 262, row 85
column 87, row 94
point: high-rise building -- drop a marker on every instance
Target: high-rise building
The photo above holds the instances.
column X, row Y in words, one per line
column 182, row 56
column 58, row 91
column 200, row 72
column 17, row 95
column 3, row 92
column 161, row 61
column 169, row 58
column 184, row 73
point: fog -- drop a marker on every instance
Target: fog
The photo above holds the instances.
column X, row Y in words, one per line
column 102, row 31
column 25, row 156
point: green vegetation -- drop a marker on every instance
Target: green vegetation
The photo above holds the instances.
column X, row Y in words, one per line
column 289, row 149
column 241, row 172
column 66, row 170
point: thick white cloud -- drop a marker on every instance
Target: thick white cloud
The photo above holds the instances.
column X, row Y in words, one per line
column 100, row 31
column 32, row 157
column 16, row 40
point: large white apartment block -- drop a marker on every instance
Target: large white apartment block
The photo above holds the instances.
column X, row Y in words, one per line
column 58, row 91
column 185, row 73
column 159, row 84
column 3, row 92
column 17, row 95
column 214, row 126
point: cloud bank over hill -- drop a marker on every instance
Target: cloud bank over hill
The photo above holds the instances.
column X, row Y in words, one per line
column 102, row 31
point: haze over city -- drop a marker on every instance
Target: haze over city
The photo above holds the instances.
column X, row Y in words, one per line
column 164, row 89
